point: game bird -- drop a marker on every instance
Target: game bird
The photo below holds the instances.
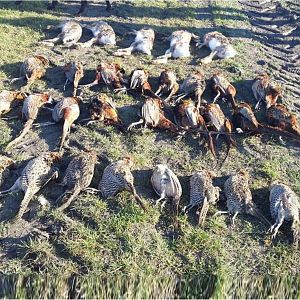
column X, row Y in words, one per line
column 143, row 43
column 37, row 173
column 32, row 68
column 202, row 193
column 284, row 206
column 167, row 186
column 71, row 32
column 167, row 84
column 239, row 197
column 219, row 45
column 103, row 35
column 110, row 74
column 179, row 46
column 222, row 87
column 193, row 85
column 9, row 99
column 265, row 91
column 153, row 116
column 78, row 177
column 30, row 109
column 73, row 72
column 117, row 177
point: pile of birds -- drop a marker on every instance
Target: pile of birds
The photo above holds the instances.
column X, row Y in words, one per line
column 174, row 107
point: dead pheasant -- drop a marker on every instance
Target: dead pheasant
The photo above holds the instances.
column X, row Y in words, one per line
column 103, row 35
column 73, row 72
column 78, row 176
column 37, row 173
column 194, row 84
column 5, row 164
column 102, row 109
column 118, row 177
column 32, row 68
column 202, row 193
column 265, row 91
column 152, row 116
column 179, row 46
column 219, row 45
column 284, row 206
column 110, row 74
column 239, row 197
column 30, row 109
column 222, row 87
column 188, row 117
column 166, row 184
column 71, row 32
column 167, row 84
column 143, row 43
column 8, row 99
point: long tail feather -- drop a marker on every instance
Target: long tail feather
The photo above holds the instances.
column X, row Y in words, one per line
column 203, row 212
column 75, row 193
column 24, row 204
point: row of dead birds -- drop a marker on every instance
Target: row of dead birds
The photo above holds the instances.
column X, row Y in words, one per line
column 71, row 32
column 117, row 176
column 195, row 116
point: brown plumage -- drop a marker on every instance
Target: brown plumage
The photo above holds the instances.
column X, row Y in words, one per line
column 102, row 109
column 110, row 74
column 37, row 173
column 279, row 116
column 78, row 176
column 153, row 116
column 167, row 84
column 32, row 68
column 222, row 86
column 118, row 177
column 30, row 110
column 70, row 34
column 239, row 197
column 9, row 99
column 194, row 84
column 264, row 90
column 73, row 72
column 67, row 109
column 5, row 164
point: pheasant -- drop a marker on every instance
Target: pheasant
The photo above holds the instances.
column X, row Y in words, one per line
column 143, row 43
column 8, row 99
column 71, row 32
column 67, row 110
column 222, row 87
column 73, row 72
column 5, row 163
column 152, row 116
column 279, row 116
column 219, row 45
column 37, row 173
column 284, row 206
column 32, row 68
column 239, row 197
column 179, row 46
column 202, row 193
column 167, row 84
column 118, row 177
column 103, row 35
column 110, row 74
column 103, row 109
column 265, row 91
column 166, row 184
column 187, row 116
column 30, row 109
column 78, row 176
column 194, row 84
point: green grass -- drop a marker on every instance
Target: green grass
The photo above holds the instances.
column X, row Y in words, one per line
column 112, row 249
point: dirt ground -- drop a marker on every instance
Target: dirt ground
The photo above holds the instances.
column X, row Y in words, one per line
column 100, row 238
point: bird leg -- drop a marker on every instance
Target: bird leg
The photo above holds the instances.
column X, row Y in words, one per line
column 67, row 81
column 208, row 59
column 157, row 93
column 220, row 212
column 91, row 190
column 16, row 79
column 275, row 227
column 162, row 197
column 132, row 125
column 233, row 218
column 88, row 43
column 187, row 208
column 14, row 188
column 181, row 96
column 124, row 51
column 44, row 124
column 217, row 96
column 200, row 45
